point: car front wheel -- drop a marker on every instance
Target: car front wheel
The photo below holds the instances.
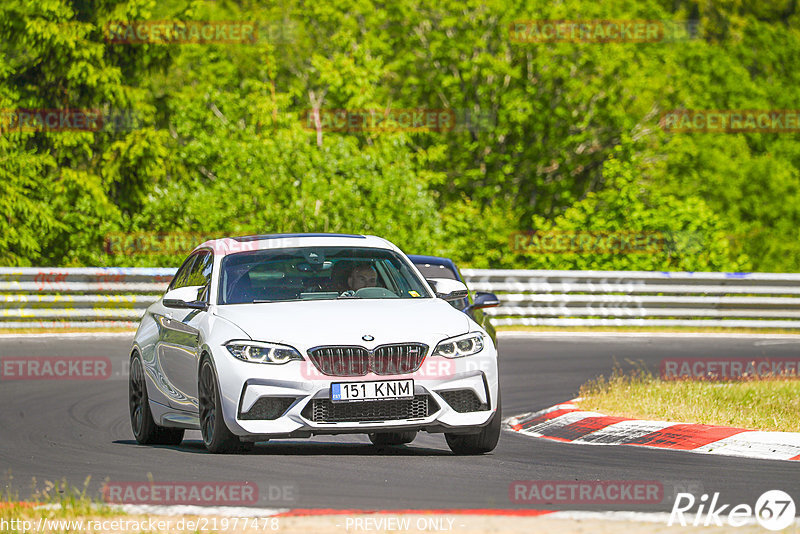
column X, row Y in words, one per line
column 216, row 436
column 480, row 443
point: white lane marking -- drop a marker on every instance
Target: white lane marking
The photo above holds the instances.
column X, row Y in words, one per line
column 701, row 335
column 51, row 335
column 757, row 444
column 241, row 511
column 228, row 511
column 502, row 333
column 641, row 517
column 183, row 509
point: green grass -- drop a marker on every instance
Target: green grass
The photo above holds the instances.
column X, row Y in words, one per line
column 769, row 404
column 53, row 500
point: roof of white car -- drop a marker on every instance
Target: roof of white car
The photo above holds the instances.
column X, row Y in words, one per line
column 232, row 245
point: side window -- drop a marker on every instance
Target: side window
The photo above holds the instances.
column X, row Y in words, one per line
column 195, row 272
column 196, row 276
column 202, row 268
column 183, row 272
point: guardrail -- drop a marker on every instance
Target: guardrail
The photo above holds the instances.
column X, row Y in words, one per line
column 640, row 298
column 117, row 297
column 85, row 297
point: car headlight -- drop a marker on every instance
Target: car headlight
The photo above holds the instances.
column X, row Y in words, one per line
column 258, row 352
column 457, row 347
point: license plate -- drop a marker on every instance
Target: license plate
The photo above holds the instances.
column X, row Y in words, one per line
column 378, row 390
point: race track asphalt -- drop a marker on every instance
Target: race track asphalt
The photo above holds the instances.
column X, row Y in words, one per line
column 54, row 430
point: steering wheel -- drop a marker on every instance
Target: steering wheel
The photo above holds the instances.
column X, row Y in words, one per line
column 375, row 293
column 314, row 287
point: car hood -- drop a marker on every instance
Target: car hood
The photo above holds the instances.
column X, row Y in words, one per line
column 306, row 324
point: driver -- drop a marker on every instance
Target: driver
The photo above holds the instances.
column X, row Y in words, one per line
column 362, row 275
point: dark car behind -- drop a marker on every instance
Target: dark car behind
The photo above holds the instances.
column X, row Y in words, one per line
column 473, row 305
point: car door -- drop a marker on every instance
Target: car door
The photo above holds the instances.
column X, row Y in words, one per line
column 179, row 336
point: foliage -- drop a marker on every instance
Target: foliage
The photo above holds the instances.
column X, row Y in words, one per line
column 214, row 139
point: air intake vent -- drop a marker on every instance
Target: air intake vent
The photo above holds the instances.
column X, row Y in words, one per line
column 325, row 411
column 463, row 400
column 268, row 408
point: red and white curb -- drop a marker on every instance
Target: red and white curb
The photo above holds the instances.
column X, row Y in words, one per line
column 235, row 511
column 181, row 510
column 252, row 512
column 263, row 513
column 230, row 511
column 568, row 423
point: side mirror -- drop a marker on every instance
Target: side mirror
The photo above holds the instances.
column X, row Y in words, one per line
column 484, row 300
column 448, row 289
column 183, row 298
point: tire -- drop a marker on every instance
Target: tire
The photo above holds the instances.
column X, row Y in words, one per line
column 144, row 427
column 480, row 443
column 216, row 436
column 392, row 438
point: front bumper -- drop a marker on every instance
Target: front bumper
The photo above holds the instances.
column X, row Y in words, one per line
column 451, row 395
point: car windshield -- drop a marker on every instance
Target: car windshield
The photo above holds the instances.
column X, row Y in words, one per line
column 429, row 270
column 317, row 273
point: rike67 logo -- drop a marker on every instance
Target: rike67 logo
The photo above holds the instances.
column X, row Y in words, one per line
column 774, row 510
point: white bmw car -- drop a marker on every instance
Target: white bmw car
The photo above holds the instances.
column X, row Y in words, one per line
column 295, row 335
